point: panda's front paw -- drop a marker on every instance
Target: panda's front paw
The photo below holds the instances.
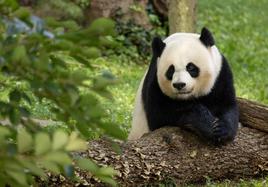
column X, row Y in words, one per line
column 220, row 132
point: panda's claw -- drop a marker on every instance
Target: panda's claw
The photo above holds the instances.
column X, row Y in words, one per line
column 220, row 132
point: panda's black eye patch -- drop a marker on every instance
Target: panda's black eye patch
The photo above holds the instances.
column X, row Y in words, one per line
column 192, row 69
column 170, row 72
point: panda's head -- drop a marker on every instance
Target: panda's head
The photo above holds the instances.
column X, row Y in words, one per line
column 187, row 64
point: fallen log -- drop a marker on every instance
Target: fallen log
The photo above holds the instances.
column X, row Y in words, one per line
column 172, row 153
column 253, row 114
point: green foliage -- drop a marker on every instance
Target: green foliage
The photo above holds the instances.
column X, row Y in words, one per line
column 39, row 60
column 62, row 9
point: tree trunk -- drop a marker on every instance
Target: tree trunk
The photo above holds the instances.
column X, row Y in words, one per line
column 181, row 15
column 172, row 153
column 253, row 114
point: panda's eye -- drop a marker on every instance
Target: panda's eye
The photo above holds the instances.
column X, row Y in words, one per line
column 170, row 72
column 192, row 69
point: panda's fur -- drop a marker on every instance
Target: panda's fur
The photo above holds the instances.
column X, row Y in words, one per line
column 188, row 84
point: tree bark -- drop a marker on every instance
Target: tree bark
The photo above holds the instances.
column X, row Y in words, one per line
column 181, row 15
column 172, row 153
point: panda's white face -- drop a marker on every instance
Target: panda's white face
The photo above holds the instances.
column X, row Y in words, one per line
column 187, row 69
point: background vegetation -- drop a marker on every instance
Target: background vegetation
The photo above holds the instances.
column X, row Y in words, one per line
column 105, row 76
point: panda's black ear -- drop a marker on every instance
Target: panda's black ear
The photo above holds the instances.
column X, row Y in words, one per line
column 158, row 46
column 206, row 37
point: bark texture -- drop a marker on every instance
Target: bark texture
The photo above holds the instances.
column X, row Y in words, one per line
column 181, row 15
column 172, row 153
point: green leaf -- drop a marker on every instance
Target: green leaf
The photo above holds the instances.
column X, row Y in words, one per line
column 83, row 129
column 42, row 143
column 24, row 141
column 33, row 168
column 58, row 157
column 107, row 41
column 26, row 98
column 4, row 131
column 60, row 138
column 79, row 76
column 102, row 26
column 20, row 54
column 88, row 165
column 15, row 96
column 75, row 143
column 106, row 175
column 74, row 95
column 104, row 80
column 113, row 130
column 51, row 166
column 14, row 116
column 80, row 59
column 91, row 52
column 20, row 177
column 107, row 171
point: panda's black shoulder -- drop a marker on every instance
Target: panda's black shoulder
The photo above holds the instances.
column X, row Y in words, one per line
column 151, row 90
column 223, row 91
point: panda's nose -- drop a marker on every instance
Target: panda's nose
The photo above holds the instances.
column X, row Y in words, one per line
column 179, row 85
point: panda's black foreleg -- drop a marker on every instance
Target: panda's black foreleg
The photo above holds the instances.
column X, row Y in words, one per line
column 200, row 120
column 215, row 129
column 225, row 128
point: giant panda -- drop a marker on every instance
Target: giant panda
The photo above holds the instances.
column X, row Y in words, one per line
column 189, row 84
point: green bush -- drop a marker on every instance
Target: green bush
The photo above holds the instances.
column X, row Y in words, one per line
column 133, row 40
column 39, row 59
